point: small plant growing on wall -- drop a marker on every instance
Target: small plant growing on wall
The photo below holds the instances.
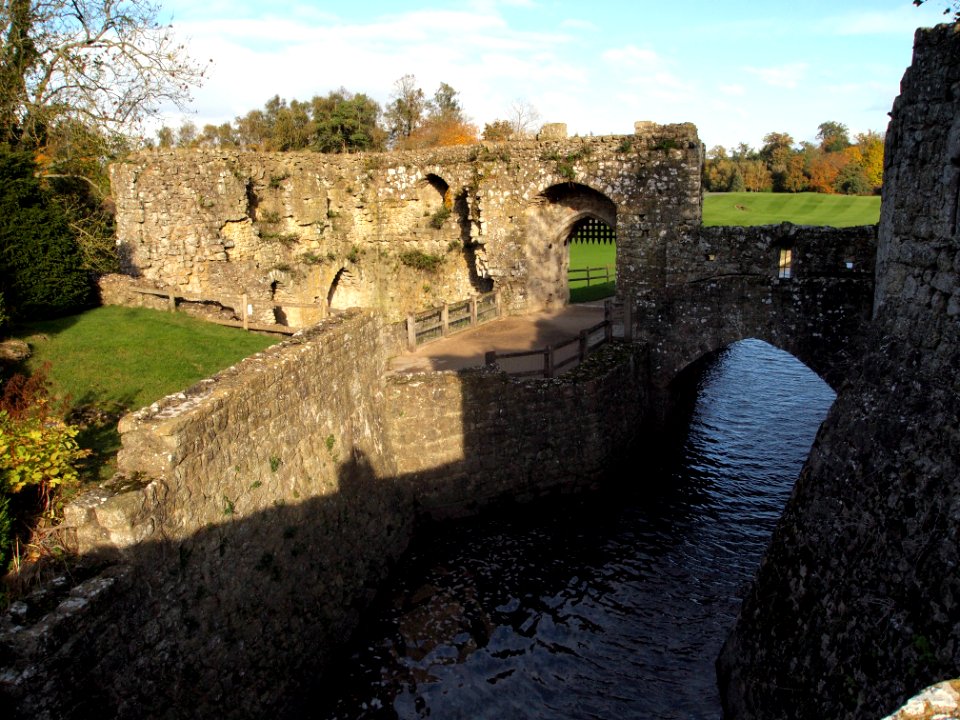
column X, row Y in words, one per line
column 270, row 217
column 440, row 217
column 354, row 254
column 277, row 180
column 420, row 260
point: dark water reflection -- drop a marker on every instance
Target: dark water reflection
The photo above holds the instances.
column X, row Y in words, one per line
column 608, row 606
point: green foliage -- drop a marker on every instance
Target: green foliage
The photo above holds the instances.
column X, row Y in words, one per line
column 798, row 208
column 277, row 180
column 4, row 318
column 421, row 260
column 41, row 273
column 440, row 217
column 38, row 449
column 354, row 254
column 565, row 163
column 6, row 532
column 275, row 463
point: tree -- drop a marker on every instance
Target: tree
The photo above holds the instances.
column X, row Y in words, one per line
column 870, row 145
column 833, row 136
column 166, row 138
column 41, row 271
column 344, row 122
column 445, row 105
column 776, row 152
column 406, row 110
column 498, row 131
column 104, row 63
column 523, row 117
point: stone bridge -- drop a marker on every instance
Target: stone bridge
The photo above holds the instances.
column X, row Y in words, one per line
column 399, row 232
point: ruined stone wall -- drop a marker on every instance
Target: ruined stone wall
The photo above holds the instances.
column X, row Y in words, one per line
column 402, row 231
column 252, row 518
column 857, row 603
column 255, row 514
column 725, row 285
column 463, row 440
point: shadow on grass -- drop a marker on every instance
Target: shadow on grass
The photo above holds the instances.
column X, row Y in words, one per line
column 594, row 292
column 97, row 419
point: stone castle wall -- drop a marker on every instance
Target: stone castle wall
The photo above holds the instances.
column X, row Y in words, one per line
column 250, row 521
column 725, row 286
column 464, row 440
column 401, row 231
column 255, row 514
column 857, row 603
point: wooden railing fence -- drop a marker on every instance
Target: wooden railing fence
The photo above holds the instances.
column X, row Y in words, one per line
column 553, row 361
column 451, row 318
column 604, row 273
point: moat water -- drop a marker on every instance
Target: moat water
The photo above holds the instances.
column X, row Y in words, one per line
column 611, row 605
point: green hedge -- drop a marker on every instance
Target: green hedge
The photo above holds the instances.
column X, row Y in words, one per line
column 41, row 267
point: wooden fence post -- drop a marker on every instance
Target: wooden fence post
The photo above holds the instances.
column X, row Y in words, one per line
column 497, row 299
column 411, row 333
column 490, row 358
column 548, row 361
column 171, row 302
column 473, row 310
column 445, row 319
column 584, row 342
column 243, row 312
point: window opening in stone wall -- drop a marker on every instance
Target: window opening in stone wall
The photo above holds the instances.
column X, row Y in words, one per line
column 592, row 247
column 785, row 266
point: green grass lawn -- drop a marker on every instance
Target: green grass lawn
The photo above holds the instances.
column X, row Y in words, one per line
column 112, row 359
column 591, row 254
column 798, row 208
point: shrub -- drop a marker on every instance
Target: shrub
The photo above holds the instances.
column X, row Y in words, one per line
column 440, row 217
column 38, row 450
column 41, row 267
column 421, row 260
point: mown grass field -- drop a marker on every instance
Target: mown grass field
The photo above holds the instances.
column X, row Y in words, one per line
column 739, row 209
column 109, row 360
column 591, row 254
column 798, row 208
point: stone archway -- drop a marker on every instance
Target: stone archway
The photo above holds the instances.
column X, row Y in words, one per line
column 556, row 214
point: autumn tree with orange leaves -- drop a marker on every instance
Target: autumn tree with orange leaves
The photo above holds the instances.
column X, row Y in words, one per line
column 833, row 165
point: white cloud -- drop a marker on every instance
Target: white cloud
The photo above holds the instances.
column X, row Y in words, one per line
column 785, row 76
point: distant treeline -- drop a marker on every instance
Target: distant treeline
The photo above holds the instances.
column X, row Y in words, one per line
column 834, row 165
column 342, row 121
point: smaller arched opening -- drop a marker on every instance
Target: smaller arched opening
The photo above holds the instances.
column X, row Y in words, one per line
column 345, row 291
column 562, row 215
column 592, row 260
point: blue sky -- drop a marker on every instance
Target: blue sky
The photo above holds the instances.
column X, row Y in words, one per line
column 738, row 70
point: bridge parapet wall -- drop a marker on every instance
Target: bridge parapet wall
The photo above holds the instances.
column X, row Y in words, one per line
column 465, row 440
